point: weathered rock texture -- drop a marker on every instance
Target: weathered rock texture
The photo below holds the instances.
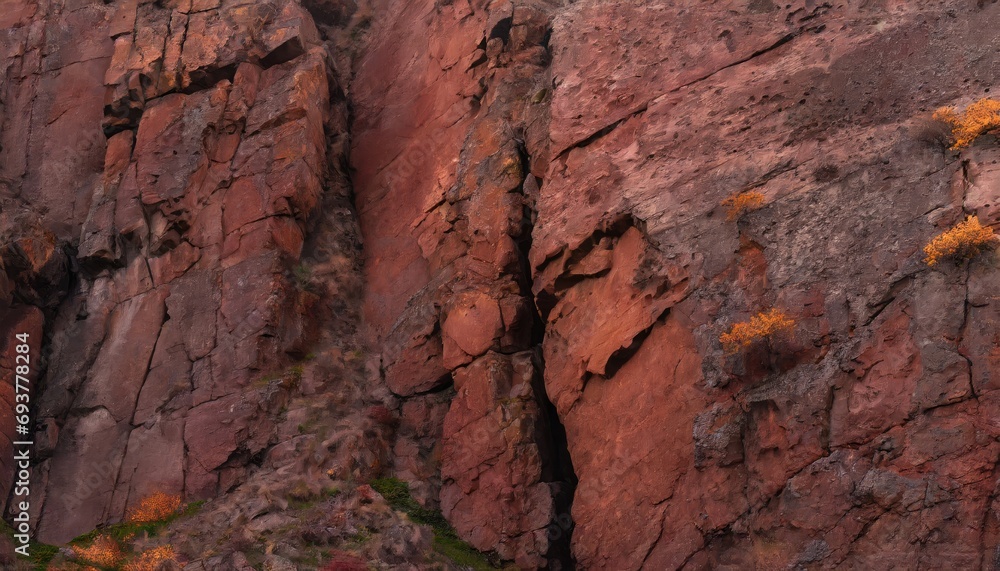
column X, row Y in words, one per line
column 445, row 147
column 547, row 266
column 864, row 440
column 869, row 440
column 195, row 190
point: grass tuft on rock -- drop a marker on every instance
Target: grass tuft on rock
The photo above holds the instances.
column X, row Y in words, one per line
column 126, row 531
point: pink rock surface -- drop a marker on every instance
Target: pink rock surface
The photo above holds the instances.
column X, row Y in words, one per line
column 548, row 267
column 658, row 112
column 191, row 218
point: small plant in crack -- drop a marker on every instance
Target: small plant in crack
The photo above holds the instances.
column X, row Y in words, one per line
column 261, row 16
column 763, row 327
column 289, row 379
column 963, row 241
column 359, row 28
column 743, row 202
column 303, row 277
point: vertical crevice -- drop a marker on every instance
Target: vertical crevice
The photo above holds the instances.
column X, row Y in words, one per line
column 963, row 330
column 557, row 466
column 557, row 463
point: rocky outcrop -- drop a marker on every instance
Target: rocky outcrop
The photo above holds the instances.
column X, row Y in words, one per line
column 188, row 286
column 446, row 155
column 865, row 439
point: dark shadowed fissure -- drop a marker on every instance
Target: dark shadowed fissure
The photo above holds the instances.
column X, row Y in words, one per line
column 557, row 465
column 557, row 462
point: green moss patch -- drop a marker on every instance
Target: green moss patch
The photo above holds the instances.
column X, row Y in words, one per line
column 446, row 540
column 125, row 531
column 40, row 554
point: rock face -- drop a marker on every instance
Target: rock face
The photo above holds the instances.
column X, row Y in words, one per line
column 866, row 438
column 869, row 441
column 186, row 238
column 548, row 266
column 445, row 189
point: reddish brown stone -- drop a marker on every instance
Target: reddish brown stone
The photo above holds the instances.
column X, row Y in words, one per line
column 491, row 465
column 188, row 292
column 530, row 178
column 472, row 322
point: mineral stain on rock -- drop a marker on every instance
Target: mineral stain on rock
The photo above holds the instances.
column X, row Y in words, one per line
column 278, row 251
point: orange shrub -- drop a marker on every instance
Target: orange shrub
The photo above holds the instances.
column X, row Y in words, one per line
column 104, row 551
column 965, row 240
column 156, row 507
column 764, row 325
column 742, row 202
column 150, row 559
column 978, row 118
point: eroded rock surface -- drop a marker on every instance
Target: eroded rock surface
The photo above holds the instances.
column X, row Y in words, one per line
column 547, row 268
column 208, row 160
column 866, row 438
column 447, row 149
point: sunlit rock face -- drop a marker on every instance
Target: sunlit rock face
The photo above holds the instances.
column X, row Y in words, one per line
column 519, row 206
column 164, row 164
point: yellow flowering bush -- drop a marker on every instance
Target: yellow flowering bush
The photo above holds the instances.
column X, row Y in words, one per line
column 764, row 325
column 156, row 507
column 978, row 118
column 104, row 551
column 742, row 202
column 964, row 241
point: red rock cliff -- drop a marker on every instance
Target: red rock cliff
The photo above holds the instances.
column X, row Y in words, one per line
column 173, row 158
column 547, row 265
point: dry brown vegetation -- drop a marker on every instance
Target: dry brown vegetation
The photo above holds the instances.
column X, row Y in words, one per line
column 155, row 507
column 963, row 241
column 151, row 559
column 104, row 551
column 763, row 326
column 977, row 119
column 743, row 202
